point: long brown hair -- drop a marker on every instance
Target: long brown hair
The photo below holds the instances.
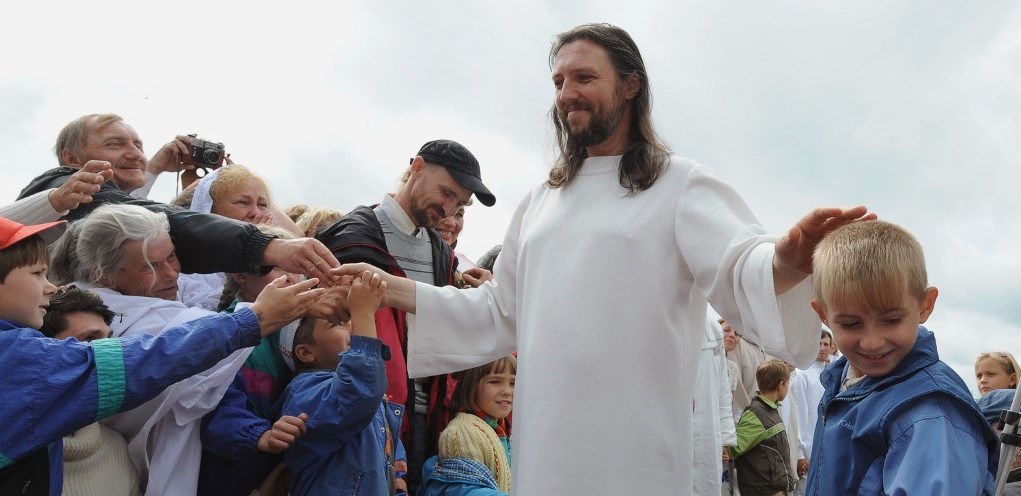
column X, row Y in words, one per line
column 646, row 155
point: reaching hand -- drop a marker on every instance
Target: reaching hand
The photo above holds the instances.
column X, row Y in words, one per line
column 332, row 305
column 283, row 433
column 477, row 276
column 302, row 256
column 80, row 187
column 367, row 292
column 277, row 305
column 794, row 250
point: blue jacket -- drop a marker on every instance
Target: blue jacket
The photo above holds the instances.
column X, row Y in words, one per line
column 62, row 386
column 914, row 431
column 457, row 477
column 352, row 439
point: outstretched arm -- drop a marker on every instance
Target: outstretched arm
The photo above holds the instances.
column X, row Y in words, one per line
column 792, row 261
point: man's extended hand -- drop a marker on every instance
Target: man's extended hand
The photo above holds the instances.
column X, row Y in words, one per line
column 793, row 259
column 302, row 256
column 80, row 187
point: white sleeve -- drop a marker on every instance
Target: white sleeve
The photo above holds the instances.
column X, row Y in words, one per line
column 739, row 283
column 456, row 329
column 143, row 192
column 726, row 398
column 35, row 209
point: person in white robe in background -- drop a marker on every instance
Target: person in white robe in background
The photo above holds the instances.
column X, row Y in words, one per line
column 712, row 422
column 602, row 284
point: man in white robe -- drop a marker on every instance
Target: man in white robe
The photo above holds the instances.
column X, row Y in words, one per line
column 807, row 390
column 712, row 423
column 602, row 285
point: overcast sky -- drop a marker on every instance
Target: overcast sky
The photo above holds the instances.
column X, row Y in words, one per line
column 912, row 108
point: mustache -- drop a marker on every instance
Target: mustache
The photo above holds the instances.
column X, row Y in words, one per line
column 574, row 106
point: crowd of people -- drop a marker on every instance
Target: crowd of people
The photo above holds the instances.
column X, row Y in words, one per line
column 220, row 343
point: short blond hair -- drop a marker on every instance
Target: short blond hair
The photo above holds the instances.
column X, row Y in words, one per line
column 872, row 262
column 230, row 179
column 73, row 136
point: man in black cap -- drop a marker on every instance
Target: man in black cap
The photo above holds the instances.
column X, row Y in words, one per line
column 398, row 236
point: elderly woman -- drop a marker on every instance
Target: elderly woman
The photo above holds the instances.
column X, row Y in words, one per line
column 234, row 192
column 125, row 254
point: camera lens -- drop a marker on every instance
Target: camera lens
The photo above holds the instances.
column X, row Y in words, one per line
column 210, row 156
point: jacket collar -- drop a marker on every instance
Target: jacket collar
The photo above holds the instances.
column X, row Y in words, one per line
column 923, row 354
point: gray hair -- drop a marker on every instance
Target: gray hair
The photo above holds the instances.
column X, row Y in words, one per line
column 64, row 262
column 104, row 233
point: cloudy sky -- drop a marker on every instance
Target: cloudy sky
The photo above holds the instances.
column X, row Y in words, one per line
column 912, row 108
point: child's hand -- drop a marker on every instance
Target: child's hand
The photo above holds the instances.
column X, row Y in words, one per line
column 283, row 433
column 366, row 292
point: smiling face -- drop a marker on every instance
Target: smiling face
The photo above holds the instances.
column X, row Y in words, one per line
column 431, row 194
column 119, row 144
column 591, row 100
column 450, row 227
column 991, row 375
column 151, row 273
column 496, row 394
column 876, row 340
column 25, row 293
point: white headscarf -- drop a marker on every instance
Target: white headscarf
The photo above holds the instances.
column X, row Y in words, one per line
column 201, row 201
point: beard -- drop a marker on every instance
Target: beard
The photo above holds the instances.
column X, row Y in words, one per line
column 420, row 214
column 600, row 126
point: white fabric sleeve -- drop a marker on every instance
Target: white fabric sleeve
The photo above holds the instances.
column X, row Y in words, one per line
column 456, row 329
column 731, row 259
column 143, row 192
column 35, row 209
column 728, row 430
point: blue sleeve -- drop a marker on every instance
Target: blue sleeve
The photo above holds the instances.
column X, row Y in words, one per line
column 942, row 454
column 62, row 386
column 231, row 430
column 342, row 403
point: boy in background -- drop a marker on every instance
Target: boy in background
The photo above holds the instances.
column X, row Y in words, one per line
column 894, row 418
column 763, row 454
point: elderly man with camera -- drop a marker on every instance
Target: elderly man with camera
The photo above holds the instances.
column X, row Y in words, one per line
column 95, row 144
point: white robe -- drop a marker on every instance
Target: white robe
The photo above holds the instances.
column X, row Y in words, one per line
column 603, row 296
column 163, row 433
column 712, row 422
column 807, row 390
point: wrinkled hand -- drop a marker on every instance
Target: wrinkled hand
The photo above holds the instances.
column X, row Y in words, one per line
column 802, row 467
column 171, row 157
column 332, row 305
column 794, row 249
column 302, row 256
column 283, row 433
column 277, row 304
column 477, row 276
column 80, row 187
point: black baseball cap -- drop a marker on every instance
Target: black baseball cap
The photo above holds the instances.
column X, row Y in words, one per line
column 461, row 165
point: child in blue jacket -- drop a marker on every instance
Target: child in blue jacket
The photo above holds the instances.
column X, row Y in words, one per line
column 352, row 445
column 52, row 388
column 893, row 419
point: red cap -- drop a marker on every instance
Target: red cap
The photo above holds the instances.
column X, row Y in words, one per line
column 11, row 232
